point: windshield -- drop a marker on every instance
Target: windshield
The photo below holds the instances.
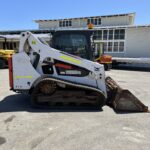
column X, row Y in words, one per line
column 72, row 43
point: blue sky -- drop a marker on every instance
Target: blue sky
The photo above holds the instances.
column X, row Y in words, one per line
column 19, row 14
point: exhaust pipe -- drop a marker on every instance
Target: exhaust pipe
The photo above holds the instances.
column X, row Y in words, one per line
column 122, row 100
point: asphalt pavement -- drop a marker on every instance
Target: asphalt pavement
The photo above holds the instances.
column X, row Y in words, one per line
column 25, row 128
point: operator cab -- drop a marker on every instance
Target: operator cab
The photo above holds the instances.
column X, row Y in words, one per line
column 73, row 42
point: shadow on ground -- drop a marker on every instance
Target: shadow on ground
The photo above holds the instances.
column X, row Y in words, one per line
column 20, row 102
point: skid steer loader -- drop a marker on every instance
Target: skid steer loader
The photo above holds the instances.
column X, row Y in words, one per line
column 53, row 77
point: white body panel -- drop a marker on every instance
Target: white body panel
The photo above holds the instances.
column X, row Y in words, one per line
column 23, row 72
column 27, row 74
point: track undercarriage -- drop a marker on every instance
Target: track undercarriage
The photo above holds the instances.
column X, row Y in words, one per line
column 54, row 92
column 51, row 92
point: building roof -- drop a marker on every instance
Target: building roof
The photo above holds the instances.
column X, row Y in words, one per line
column 115, row 15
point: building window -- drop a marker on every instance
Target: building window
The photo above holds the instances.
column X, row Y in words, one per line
column 4, row 45
column 111, row 34
column 8, row 45
column 95, row 21
column 70, row 23
column 105, row 46
column 115, row 49
column 60, row 24
column 105, row 32
column 97, row 35
column 121, row 46
column 15, row 45
column 110, row 46
column 119, row 34
column 113, row 40
column 65, row 23
column 122, row 34
column 118, row 47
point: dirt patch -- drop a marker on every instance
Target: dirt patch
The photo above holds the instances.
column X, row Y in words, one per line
column 2, row 140
column 36, row 142
column 9, row 119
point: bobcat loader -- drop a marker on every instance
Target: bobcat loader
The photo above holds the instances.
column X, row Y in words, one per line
column 53, row 77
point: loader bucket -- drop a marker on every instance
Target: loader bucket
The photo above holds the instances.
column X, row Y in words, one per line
column 121, row 99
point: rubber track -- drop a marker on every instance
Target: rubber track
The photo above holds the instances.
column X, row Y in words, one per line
column 76, row 85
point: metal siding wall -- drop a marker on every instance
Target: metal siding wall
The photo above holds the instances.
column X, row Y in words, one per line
column 138, row 42
column 115, row 21
column 49, row 24
column 77, row 23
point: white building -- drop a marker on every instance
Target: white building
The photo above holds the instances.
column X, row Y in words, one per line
column 98, row 21
column 117, row 34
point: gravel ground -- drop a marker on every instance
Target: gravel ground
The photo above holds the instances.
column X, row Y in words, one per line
column 25, row 128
